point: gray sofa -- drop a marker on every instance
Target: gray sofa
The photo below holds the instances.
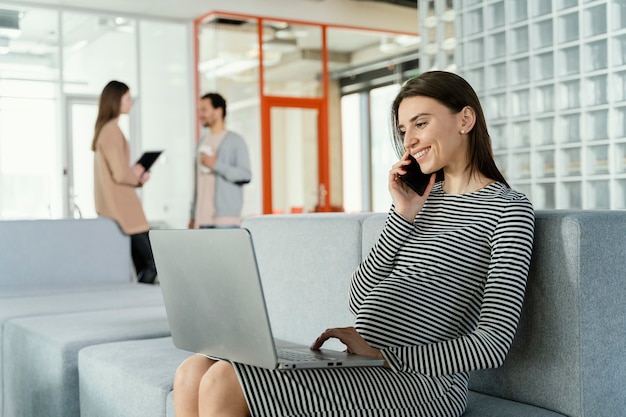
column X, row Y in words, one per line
column 567, row 358
column 64, row 284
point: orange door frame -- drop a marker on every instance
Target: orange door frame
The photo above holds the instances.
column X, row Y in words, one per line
column 319, row 104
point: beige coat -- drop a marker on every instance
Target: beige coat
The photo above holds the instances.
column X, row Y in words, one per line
column 114, row 181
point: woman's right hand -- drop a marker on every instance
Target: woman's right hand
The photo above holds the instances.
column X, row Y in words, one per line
column 407, row 202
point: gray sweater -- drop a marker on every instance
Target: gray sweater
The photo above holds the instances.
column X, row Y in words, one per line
column 232, row 171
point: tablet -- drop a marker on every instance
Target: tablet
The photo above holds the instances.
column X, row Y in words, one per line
column 148, row 158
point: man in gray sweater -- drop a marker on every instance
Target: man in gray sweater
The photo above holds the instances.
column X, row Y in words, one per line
column 222, row 168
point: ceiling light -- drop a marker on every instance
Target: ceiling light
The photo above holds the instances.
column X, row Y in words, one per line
column 279, row 25
column 280, row 45
column 10, row 23
column 408, row 40
column 290, row 33
column 388, row 45
column 119, row 24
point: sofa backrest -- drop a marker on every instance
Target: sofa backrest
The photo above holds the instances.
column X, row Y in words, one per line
column 569, row 354
column 64, row 252
column 305, row 262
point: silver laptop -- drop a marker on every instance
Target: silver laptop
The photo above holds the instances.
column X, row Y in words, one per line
column 215, row 305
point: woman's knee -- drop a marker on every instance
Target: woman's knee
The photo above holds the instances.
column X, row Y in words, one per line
column 220, row 392
column 191, row 371
column 221, row 378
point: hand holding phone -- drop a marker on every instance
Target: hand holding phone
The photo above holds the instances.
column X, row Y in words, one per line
column 414, row 177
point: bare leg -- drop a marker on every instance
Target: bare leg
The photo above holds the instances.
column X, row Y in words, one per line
column 221, row 394
column 187, row 383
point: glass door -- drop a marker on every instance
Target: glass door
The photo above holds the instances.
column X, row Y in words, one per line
column 78, row 172
column 82, row 112
column 295, row 179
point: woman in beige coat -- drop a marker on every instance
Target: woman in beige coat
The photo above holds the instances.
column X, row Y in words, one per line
column 115, row 180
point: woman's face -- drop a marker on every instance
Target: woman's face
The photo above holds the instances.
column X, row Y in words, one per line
column 432, row 133
column 126, row 103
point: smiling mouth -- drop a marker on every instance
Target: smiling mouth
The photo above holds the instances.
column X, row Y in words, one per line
column 421, row 153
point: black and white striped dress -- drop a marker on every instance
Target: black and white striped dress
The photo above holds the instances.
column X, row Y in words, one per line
column 440, row 297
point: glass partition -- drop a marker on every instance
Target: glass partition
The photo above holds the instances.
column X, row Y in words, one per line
column 30, row 50
column 292, row 59
column 30, row 156
column 108, row 40
column 228, row 63
column 228, row 57
column 368, row 67
column 293, row 69
column 165, row 110
column 47, row 115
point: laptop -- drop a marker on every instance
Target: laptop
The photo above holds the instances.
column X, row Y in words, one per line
column 215, row 305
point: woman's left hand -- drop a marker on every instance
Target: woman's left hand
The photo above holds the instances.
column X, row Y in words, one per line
column 144, row 178
column 351, row 338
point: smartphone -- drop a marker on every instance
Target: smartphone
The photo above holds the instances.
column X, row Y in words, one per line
column 414, row 177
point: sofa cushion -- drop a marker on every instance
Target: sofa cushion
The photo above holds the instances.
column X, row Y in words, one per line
column 481, row 405
column 104, row 297
column 130, row 379
column 42, row 373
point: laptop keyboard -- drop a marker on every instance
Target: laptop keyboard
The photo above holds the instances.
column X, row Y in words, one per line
column 296, row 355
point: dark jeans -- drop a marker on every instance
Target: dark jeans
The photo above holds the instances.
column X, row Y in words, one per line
column 141, row 251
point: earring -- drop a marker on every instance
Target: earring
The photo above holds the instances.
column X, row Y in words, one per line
column 462, row 132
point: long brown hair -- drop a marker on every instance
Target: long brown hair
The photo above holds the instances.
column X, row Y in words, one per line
column 108, row 106
column 455, row 93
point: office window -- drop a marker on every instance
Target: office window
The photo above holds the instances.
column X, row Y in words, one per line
column 98, row 49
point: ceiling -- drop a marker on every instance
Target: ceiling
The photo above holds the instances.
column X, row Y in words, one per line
column 39, row 39
column 191, row 9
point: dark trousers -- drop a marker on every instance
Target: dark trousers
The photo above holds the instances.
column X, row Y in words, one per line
column 141, row 251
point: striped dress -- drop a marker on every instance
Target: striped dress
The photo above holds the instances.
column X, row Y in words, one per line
column 440, row 297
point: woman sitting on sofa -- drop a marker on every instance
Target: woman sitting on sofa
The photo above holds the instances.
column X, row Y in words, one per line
column 438, row 296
